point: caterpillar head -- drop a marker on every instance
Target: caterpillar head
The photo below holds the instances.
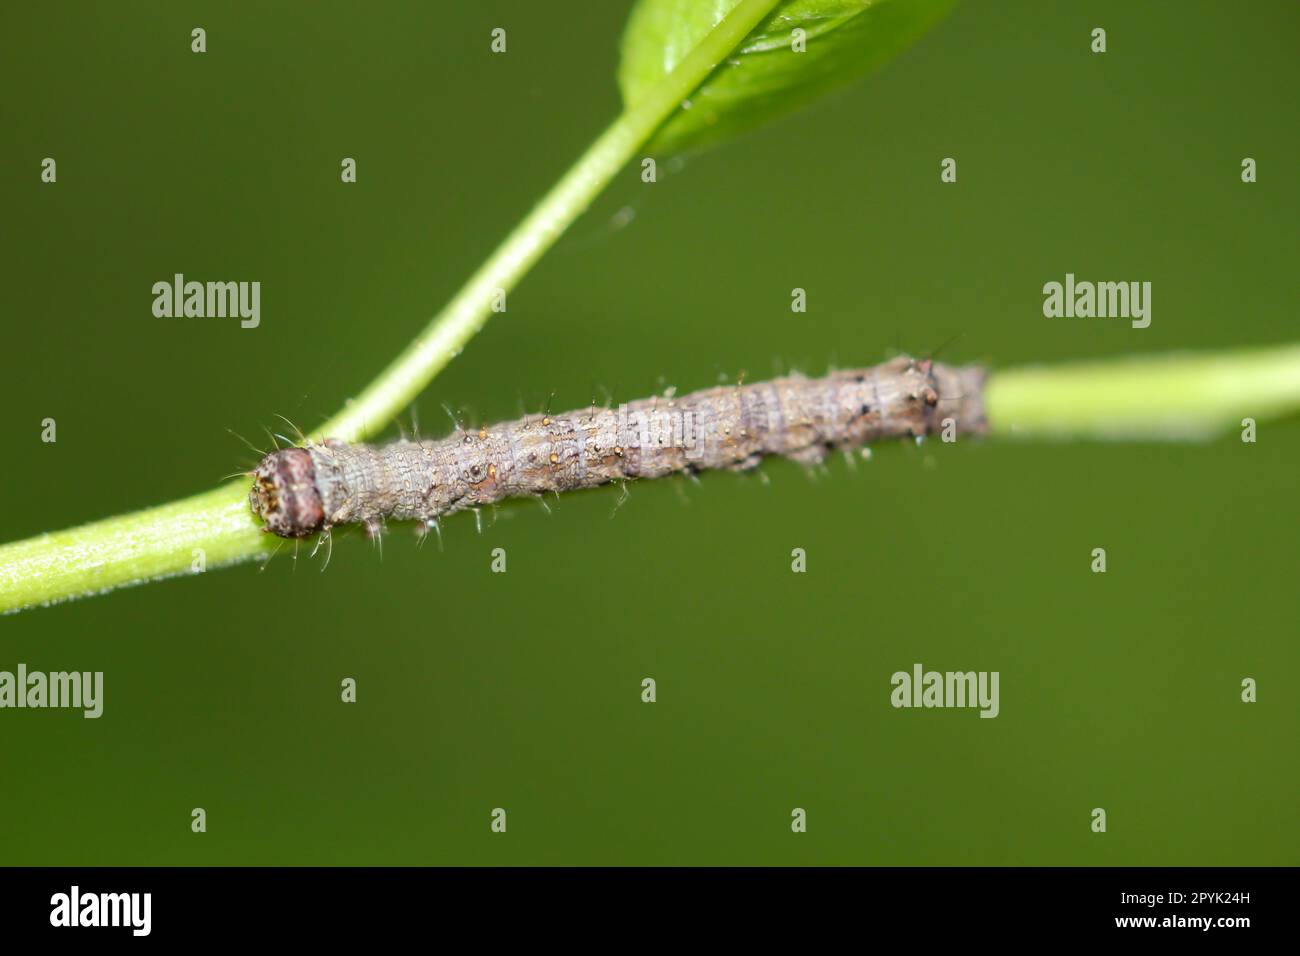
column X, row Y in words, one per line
column 284, row 494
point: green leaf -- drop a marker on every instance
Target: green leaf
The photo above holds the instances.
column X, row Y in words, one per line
column 765, row 76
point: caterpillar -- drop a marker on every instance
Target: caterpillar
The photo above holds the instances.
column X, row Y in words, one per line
column 302, row 490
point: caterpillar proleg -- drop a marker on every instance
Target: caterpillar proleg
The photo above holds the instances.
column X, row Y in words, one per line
column 299, row 491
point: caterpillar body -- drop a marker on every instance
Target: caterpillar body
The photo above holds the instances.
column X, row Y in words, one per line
column 300, row 491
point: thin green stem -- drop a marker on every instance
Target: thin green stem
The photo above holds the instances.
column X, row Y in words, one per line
column 1165, row 397
column 445, row 336
column 184, row 537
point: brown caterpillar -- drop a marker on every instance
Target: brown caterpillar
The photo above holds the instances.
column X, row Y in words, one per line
column 299, row 491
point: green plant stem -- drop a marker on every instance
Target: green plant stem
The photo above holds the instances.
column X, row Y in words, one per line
column 206, row 531
column 445, row 336
column 1162, row 398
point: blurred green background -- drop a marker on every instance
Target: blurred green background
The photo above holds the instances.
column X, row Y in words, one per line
column 480, row 690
